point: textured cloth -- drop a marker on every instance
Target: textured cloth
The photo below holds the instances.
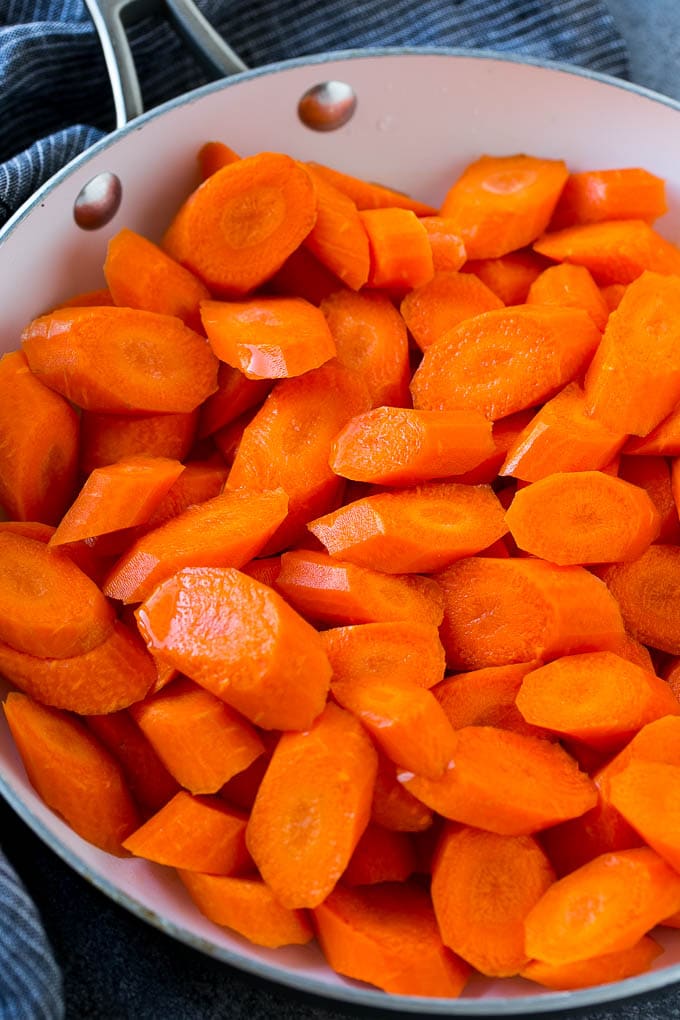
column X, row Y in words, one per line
column 56, row 99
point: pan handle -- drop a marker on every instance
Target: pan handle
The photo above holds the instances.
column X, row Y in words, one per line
column 110, row 19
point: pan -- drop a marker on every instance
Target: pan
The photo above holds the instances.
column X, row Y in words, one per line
column 411, row 118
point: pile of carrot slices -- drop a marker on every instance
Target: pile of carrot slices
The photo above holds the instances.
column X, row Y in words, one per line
column 341, row 565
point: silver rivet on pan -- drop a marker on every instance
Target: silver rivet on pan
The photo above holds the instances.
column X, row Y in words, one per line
column 327, row 106
column 98, row 201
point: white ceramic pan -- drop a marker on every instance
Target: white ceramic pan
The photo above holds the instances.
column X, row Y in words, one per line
column 420, row 116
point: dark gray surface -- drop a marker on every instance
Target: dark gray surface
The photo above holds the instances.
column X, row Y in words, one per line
column 651, row 29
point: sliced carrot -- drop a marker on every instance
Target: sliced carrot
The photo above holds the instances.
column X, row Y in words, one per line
column 448, row 250
column 199, row 482
column 312, row 808
column 39, row 449
column 387, row 935
column 576, row 517
column 371, row 341
column 486, row 697
column 483, row 887
column 265, row 570
column 400, row 249
column 343, row 593
column 268, row 338
column 603, row 907
column 228, row 438
column 287, row 445
column 121, row 360
column 99, row 297
column 562, row 437
column 141, row 275
column 612, row 294
column 598, row 970
column 247, row 906
column 400, row 446
column 504, row 433
column 504, row 361
column 570, row 286
column 72, row 773
column 381, row 855
column 302, row 275
column 615, row 251
column 415, row 530
column 149, row 781
column 404, row 650
column 368, row 194
column 647, row 591
column 241, row 224
column 201, row 741
column 596, row 697
column 112, row 675
column 393, row 807
column 501, row 611
column 444, row 301
column 195, row 833
column 338, row 238
column 212, row 156
column 235, row 395
column 240, row 640
column 500, row 203
column 29, row 529
column 510, row 276
column 227, row 530
column 48, row 607
column 506, row 782
column 577, row 841
column 397, row 713
column 108, row 438
column 662, row 441
column 595, row 195
column 646, row 794
column 241, row 790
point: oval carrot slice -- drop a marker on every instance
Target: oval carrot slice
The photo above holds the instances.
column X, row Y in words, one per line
column 368, row 194
column 444, row 301
column 647, row 590
column 381, row 855
column 570, row 286
column 509, row 276
column 405, row 650
column 338, row 238
column 393, row 807
column 486, row 697
column 597, row 970
column 107, row 438
column 594, row 195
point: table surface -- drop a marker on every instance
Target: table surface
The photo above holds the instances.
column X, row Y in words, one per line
column 142, row 973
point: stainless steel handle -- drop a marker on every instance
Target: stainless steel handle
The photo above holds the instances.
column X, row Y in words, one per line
column 110, row 19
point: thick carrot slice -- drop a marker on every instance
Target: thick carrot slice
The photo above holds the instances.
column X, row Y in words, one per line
column 483, row 887
column 248, row 906
column 381, row 855
column 400, row 250
column 413, row 530
column 504, row 433
column 562, row 437
column 342, row 593
column 501, row 611
column 287, row 445
column 647, row 591
column 654, row 476
column 195, row 833
column 108, row 438
column 400, row 446
column 596, row 697
column 241, row 224
column 141, row 275
column 583, row 517
column 120, row 360
column 338, row 238
column 48, row 607
column 212, row 156
column 646, row 794
column 241, row 790
column 444, row 301
column 371, row 341
column 662, row 441
column 448, row 250
column 504, row 361
column 312, row 808
column 603, row 907
column 615, row 251
column 570, row 286
column 598, row 970
column 112, row 675
column 199, row 482
column 393, row 807
column 632, row 384
column 612, row 294
column 595, row 195
column 39, row 449
column 149, row 781
column 72, row 772
column 500, row 203
column 397, row 713
column 506, row 782
column 486, row 697
column 633, row 651
column 510, row 276
column 240, row 640
column 268, row 338
column 405, row 650
column 368, row 194
column 303, row 276
column 98, row 297
column 387, row 935
column 227, row 530
column 600, row 830
column 235, row 394
column 201, row 741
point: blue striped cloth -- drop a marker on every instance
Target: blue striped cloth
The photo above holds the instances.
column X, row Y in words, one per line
column 56, row 102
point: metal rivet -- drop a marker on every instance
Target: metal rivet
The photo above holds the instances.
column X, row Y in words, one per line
column 98, row 201
column 327, row 106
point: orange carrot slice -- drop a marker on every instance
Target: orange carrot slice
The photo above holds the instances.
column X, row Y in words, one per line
column 444, row 301
column 570, row 286
column 400, row 249
column 240, row 640
column 212, row 156
column 402, row 650
column 486, row 697
column 448, row 250
column 615, row 251
column 393, row 807
column 312, row 808
column 235, row 394
column 595, row 195
column 381, row 855
column 368, row 194
column 654, row 476
column 646, row 794
column 303, row 276
column 510, row 276
column 108, row 438
column 338, row 238
column 662, row 441
column 598, row 970
column 647, row 590
column 504, row 433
